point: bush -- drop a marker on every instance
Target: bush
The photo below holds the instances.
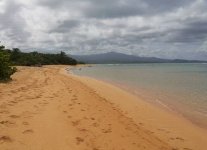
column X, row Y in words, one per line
column 19, row 58
column 5, row 70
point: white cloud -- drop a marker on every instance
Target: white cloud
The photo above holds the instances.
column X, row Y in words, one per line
column 162, row 28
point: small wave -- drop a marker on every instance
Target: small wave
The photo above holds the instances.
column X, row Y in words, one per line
column 162, row 104
column 202, row 113
column 113, row 64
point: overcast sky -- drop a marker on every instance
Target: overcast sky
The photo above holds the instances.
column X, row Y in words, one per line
column 161, row 28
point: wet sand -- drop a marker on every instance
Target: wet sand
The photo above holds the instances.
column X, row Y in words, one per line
column 48, row 109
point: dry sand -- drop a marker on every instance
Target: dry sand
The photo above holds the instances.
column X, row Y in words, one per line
column 48, row 109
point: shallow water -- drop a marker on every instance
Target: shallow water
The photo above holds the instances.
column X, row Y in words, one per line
column 179, row 87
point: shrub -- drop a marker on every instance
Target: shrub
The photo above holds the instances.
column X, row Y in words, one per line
column 5, row 69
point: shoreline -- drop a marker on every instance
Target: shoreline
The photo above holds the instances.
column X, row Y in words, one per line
column 165, row 105
column 47, row 108
column 195, row 118
column 172, row 119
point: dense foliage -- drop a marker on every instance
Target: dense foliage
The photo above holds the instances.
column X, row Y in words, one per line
column 5, row 70
column 38, row 59
column 15, row 57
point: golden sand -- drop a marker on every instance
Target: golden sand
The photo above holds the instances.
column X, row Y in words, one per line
column 47, row 109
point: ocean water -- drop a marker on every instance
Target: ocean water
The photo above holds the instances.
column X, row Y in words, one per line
column 181, row 88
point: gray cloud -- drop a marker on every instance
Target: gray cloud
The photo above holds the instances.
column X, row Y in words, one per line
column 195, row 31
column 126, row 8
column 12, row 25
column 162, row 28
column 118, row 8
column 65, row 26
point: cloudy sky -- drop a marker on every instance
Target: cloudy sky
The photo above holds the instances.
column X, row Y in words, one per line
column 161, row 28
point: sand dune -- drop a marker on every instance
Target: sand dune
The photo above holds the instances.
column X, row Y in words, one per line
column 46, row 109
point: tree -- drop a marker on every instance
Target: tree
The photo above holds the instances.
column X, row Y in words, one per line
column 5, row 70
column 64, row 59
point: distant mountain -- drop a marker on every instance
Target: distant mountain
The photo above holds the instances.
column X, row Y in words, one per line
column 113, row 57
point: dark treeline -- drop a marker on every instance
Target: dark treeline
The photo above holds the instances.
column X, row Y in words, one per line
column 19, row 58
column 15, row 57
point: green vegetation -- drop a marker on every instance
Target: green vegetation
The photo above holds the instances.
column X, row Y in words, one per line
column 15, row 57
column 38, row 59
column 5, row 70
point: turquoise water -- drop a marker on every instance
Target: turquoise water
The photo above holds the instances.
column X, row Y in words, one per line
column 178, row 87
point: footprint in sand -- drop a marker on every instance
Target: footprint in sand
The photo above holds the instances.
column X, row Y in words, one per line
column 69, row 117
column 74, row 99
column 64, row 111
column 92, row 118
column 83, row 130
column 70, row 105
column 175, row 149
column 163, row 130
column 85, row 118
column 106, row 130
column 75, row 123
column 180, row 139
column 7, row 123
column 25, row 123
column 14, row 116
column 187, row 149
column 79, row 140
column 13, row 102
column 45, row 103
column 4, row 112
column 95, row 124
column 27, row 114
column 38, row 96
column 29, row 131
column 4, row 139
column 141, row 124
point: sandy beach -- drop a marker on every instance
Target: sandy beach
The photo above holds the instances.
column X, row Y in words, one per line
column 45, row 108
